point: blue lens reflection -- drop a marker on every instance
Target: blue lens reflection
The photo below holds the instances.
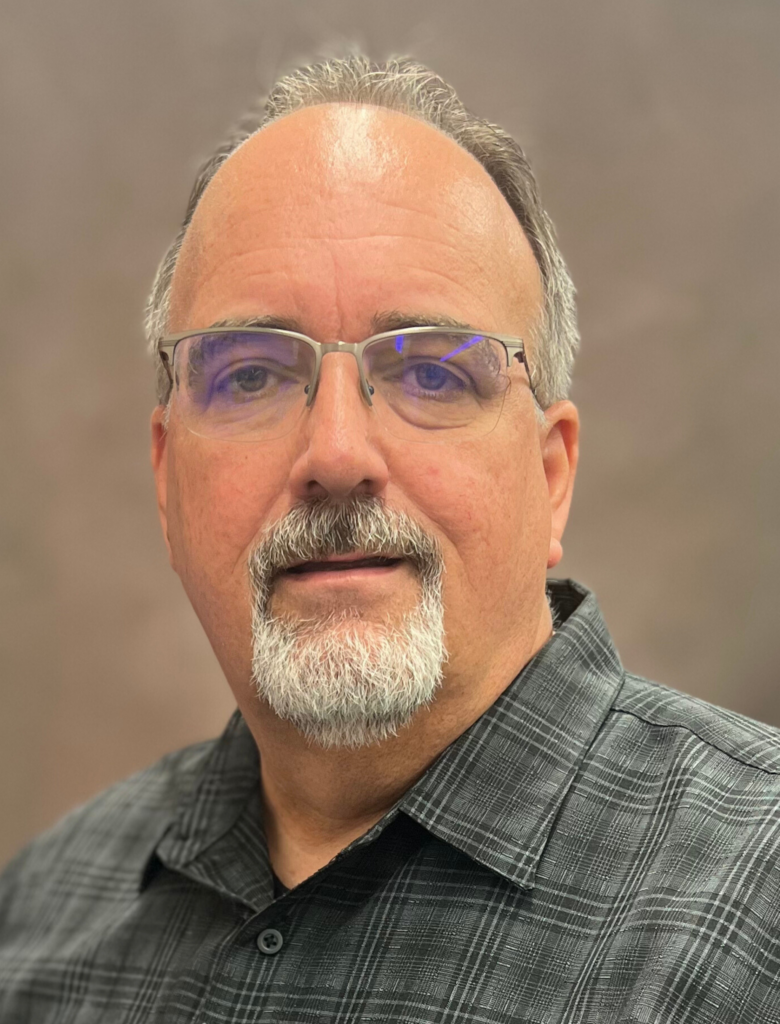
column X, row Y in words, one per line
column 461, row 348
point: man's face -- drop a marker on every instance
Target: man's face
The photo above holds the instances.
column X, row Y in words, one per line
column 332, row 220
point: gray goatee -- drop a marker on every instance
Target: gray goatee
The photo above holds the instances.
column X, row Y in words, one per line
column 341, row 680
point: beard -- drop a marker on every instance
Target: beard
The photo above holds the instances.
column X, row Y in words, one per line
column 340, row 679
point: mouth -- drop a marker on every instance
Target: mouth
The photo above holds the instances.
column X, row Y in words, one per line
column 342, row 563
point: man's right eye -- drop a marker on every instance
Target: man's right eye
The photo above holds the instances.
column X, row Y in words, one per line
column 240, row 381
column 248, row 378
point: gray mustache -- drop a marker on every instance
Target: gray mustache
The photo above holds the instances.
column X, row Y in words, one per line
column 315, row 530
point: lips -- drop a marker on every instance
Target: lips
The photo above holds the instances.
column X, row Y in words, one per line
column 343, row 564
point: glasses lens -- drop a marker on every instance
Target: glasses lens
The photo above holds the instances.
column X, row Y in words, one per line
column 241, row 386
column 438, row 382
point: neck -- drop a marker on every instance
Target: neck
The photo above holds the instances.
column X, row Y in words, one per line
column 316, row 801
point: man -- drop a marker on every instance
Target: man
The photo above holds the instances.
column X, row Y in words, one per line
column 442, row 798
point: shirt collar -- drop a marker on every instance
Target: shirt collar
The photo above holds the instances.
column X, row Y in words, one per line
column 216, row 835
column 493, row 793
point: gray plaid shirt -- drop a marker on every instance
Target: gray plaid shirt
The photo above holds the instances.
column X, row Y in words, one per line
column 594, row 848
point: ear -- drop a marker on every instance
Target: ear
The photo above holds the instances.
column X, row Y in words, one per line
column 560, row 452
column 160, row 468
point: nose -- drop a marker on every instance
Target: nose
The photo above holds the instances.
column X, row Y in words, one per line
column 339, row 453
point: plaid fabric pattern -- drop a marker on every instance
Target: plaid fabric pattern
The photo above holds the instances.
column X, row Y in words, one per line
column 595, row 848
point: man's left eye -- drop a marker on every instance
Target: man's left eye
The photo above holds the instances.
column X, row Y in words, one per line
column 432, row 377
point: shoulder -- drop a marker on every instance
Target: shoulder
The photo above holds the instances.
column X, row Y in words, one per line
column 673, row 720
column 691, row 793
column 692, row 766
column 103, row 845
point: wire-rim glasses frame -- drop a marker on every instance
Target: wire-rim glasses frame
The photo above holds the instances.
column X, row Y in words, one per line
column 514, row 347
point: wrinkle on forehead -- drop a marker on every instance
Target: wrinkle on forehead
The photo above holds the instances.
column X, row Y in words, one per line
column 339, row 169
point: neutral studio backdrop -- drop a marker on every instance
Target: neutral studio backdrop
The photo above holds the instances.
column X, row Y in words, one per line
column 652, row 125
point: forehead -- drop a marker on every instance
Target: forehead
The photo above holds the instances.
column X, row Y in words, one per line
column 347, row 196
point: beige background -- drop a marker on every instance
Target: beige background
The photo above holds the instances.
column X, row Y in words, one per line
column 654, row 129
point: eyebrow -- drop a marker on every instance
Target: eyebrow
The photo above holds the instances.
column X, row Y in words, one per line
column 396, row 320
column 277, row 323
column 390, row 320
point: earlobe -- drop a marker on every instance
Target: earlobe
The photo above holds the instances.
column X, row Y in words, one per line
column 556, row 553
column 560, row 453
column 159, row 455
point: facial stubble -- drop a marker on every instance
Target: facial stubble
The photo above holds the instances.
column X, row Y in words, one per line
column 342, row 679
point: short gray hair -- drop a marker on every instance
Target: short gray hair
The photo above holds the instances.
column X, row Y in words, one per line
column 405, row 86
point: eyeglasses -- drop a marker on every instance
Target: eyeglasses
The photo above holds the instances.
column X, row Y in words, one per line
column 431, row 384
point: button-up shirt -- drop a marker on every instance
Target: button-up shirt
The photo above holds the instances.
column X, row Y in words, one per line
column 594, row 848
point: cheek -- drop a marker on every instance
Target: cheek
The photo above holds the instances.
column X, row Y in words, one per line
column 218, row 502
column 489, row 504
column 223, row 495
column 459, row 494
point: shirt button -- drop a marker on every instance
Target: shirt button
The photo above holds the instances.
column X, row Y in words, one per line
column 270, row 941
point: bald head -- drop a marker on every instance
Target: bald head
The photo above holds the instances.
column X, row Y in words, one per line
column 404, row 86
column 309, row 218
